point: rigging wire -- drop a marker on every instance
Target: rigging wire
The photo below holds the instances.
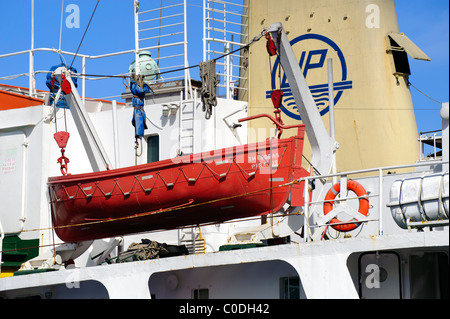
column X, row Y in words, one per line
column 255, row 39
column 254, row 218
column 189, row 206
column 166, row 210
column 174, row 209
column 85, row 31
column 435, row 101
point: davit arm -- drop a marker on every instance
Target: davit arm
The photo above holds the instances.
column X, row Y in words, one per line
column 322, row 144
column 94, row 148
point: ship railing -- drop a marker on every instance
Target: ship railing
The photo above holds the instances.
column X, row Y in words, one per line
column 165, row 28
column 310, row 204
column 163, row 31
column 83, row 75
column 432, row 139
column 147, row 30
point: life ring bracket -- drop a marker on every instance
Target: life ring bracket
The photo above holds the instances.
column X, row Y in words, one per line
column 362, row 211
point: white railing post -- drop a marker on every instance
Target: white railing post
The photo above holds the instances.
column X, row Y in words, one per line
column 332, row 120
column 380, row 202
column 115, row 134
column 31, row 80
column 83, row 80
column 228, row 71
column 306, row 229
column 204, row 30
column 187, row 77
column 137, row 68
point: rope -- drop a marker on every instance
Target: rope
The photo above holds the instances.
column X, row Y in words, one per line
column 137, row 154
column 209, row 86
column 209, row 80
column 171, row 209
column 165, row 210
column 139, row 79
column 245, row 47
column 150, row 232
column 435, row 101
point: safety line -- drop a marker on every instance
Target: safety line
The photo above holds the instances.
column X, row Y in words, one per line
column 164, row 210
column 188, row 226
column 435, row 101
column 156, row 230
column 184, row 207
column 255, row 39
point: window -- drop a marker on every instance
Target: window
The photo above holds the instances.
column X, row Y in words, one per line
column 290, row 288
column 400, row 58
column 153, row 148
column 429, row 275
column 200, row 293
column 399, row 46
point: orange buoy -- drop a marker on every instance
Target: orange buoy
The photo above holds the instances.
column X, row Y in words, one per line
column 363, row 209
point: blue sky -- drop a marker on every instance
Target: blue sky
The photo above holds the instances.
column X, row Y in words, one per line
column 426, row 23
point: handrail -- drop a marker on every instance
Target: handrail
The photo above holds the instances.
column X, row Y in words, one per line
column 380, row 170
column 279, row 125
column 425, row 136
column 83, row 56
column 31, row 74
column 72, row 53
column 376, row 169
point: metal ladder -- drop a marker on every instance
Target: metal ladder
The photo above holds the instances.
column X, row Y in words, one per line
column 192, row 239
column 163, row 32
column 226, row 29
column 187, row 110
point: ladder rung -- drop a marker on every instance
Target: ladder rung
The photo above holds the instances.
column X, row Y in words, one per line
column 162, row 8
column 150, row 20
column 161, row 27
column 161, row 36
column 226, row 2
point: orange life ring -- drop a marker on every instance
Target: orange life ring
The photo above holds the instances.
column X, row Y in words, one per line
column 363, row 209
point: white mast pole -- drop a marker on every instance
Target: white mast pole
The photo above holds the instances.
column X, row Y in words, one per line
column 137, row 68
column 187, row 74
column 331, row 106
column 204, row 30
column 31, row 83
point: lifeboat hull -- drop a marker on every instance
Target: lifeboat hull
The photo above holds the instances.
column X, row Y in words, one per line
column 212, row 187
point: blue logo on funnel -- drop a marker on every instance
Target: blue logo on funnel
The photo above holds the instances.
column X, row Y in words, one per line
column 310, row 60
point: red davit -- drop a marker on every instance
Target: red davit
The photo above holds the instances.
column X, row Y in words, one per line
column 211, row 187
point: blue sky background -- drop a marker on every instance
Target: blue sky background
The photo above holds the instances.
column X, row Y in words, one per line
column 426, row 23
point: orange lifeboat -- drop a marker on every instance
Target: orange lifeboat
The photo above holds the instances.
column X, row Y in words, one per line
column 212, row 187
